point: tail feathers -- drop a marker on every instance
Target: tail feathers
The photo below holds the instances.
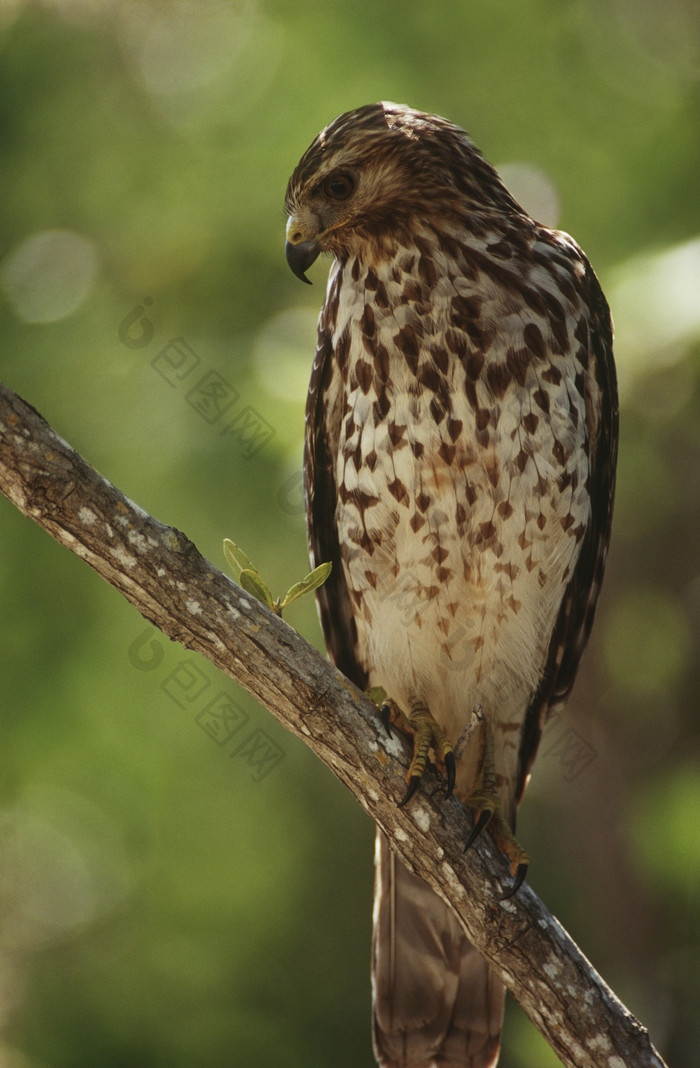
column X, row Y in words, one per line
column 436, row 1001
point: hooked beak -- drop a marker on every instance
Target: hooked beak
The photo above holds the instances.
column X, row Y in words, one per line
column 300, row 256
column 301, row 251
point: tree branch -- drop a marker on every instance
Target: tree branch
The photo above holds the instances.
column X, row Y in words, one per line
column 161, row 572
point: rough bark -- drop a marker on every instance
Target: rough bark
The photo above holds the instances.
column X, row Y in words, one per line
column 161, row 572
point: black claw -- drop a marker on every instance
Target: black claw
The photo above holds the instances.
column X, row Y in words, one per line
column 450, row 768
column 517, row 882
column 483, row 820
column 410, row 791
column 385, row 712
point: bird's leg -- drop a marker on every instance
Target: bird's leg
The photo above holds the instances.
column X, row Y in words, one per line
column 485, row 804
column 427, row 735
column 483, row 801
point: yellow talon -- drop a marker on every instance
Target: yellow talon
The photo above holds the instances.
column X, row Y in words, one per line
column 427, row 735
column 484, row 801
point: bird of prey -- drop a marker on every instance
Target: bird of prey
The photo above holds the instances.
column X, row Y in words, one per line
column 460, row 449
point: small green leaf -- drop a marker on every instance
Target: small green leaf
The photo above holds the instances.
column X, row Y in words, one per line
column 312, row 581
column 249, row 578
column 377, row 695
column 236, row 557
column 252, row 583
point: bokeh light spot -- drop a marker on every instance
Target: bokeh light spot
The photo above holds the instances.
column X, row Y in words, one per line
column 62, row 867
column 49, row 275
column 533, row 190
column 183, row 46
column 656, row 310
column 201, row 63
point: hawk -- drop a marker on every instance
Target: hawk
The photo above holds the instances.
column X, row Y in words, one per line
column 460, row 448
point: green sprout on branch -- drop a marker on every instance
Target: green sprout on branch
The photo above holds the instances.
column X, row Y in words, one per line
column 248, row 577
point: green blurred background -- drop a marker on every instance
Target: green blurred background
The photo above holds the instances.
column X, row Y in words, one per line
column 168, row 896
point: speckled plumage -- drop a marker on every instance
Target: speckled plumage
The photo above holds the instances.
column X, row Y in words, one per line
column 460, row 454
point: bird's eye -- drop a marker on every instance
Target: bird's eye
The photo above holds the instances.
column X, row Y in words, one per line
column 339, row 187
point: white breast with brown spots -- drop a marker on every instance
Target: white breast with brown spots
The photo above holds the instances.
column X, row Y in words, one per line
column 462, row 475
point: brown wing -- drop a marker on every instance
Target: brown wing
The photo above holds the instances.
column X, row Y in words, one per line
column 323, row 416
column 578, row 607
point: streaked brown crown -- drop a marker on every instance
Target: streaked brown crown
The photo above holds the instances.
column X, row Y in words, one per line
column 405, row 166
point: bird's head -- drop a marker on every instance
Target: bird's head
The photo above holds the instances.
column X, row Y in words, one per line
column 375, row 175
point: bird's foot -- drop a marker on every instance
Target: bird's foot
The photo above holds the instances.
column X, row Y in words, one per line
column 487, row 814
column 427, row 735
column 485, row 805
